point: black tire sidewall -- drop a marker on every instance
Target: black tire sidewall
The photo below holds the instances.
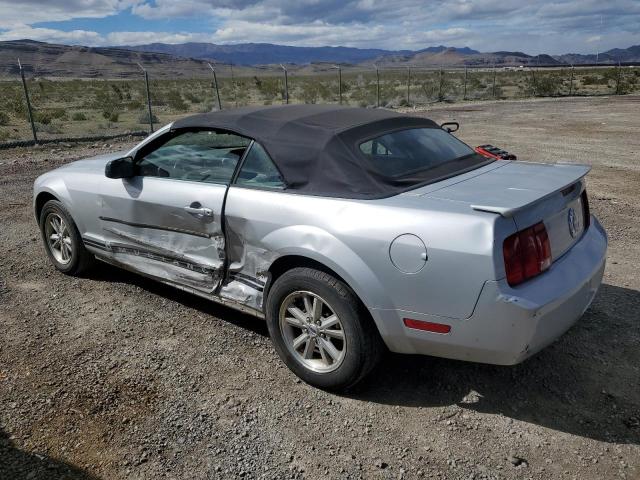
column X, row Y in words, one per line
column 54, row 206
column 344, row 304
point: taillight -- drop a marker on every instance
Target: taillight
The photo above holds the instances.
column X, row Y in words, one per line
column 585, row 209
column 527, row 253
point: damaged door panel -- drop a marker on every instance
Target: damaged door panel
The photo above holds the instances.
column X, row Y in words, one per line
column 167, row 229
column 249, row 263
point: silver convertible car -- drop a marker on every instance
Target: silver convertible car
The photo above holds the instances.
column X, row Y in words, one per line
column 349, row 230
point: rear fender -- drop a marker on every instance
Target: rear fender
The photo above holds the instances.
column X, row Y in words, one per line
column 319, row 245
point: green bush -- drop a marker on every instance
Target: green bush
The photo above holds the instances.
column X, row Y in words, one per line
column 4, row 118
column 175, row 101
column 144, row 118
column 59, row 113
column 193, row 98
column 47, row 128
column 207, row 107
column 549, row 84
column 134, row 105
column 43, row 117
column 78, row 117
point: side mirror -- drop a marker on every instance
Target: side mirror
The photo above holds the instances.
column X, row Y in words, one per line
column 450, row 127
column 120, row 168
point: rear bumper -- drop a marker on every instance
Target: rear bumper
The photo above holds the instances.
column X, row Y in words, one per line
column 510, row 324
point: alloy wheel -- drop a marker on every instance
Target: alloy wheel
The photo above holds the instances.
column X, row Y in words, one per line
column 58, row 238
column 312, row 331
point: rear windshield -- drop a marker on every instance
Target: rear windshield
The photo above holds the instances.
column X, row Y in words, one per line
column 417, row 152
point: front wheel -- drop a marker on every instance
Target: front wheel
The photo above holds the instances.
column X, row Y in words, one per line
column 62, row 240
column 320, row 329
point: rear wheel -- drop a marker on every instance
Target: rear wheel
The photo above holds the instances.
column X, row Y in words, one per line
column 320, row 329
column 62, row 240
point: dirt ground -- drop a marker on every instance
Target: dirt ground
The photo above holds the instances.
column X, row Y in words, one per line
column 113, row 376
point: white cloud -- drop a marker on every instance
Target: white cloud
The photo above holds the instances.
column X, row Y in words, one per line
column 140, row 38
column 27, row 12
column 552, row 26
column 74, row 37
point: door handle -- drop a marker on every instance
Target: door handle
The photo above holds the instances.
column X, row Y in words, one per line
column 201, row 211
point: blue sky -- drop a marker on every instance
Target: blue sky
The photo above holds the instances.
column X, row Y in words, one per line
column 560, row 26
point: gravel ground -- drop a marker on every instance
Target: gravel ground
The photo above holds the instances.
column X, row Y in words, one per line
column 114, row 376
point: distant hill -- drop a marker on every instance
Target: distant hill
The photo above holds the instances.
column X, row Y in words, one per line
column 267, row 53
column 455, row 57
column 190, row 59
column 615, row 55
column 47, row 59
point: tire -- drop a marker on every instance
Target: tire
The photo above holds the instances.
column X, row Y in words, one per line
column 69, row 256
column 331, row 311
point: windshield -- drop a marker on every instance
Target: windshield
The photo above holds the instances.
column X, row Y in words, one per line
column 406, row 152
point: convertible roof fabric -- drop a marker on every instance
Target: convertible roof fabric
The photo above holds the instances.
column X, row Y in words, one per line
column 316, row 147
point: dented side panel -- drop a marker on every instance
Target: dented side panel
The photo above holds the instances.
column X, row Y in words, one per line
column 144, row 225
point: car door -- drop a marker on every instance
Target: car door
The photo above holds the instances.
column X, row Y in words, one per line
column 166, row 222
column 247, row 225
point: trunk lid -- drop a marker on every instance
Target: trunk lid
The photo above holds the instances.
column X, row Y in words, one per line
column 528, row 193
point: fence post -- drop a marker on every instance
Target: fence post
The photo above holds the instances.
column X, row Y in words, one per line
column 286, row 85
column 215, row 84
column 618, row 80
column 339, row 83
column 464, row 96
column 571, row 82
column 233, row 85
column 377, row 87
column 440, row 85
column 146, row 82
column 26, row 97
column 494, row 81
column 408, row 86
column 535, row 85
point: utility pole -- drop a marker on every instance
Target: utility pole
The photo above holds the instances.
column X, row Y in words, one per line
column 215, row 84
column 26, row 97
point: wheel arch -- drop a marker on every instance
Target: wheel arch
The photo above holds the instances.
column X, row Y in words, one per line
column 297, row 259
column 40, row 200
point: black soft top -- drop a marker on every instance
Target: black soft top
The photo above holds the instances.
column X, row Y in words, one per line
column 316, row 147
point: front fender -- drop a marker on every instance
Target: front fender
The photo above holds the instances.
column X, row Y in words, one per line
column 53, row 185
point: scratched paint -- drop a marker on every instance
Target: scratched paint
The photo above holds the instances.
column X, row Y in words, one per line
column 168, row 256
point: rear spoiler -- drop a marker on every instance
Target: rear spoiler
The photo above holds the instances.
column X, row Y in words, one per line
column 572, row 174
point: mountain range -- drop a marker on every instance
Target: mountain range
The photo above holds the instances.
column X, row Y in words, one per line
column 266, row 54
column 190, row 59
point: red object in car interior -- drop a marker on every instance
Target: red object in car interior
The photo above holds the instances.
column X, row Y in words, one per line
column 427, row 326
column 527, row 253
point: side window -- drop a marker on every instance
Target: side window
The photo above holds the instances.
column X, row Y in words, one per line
column 258, row 170
column 201, row 156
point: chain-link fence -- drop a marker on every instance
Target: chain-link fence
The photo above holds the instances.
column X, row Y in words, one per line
column 38, row 109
